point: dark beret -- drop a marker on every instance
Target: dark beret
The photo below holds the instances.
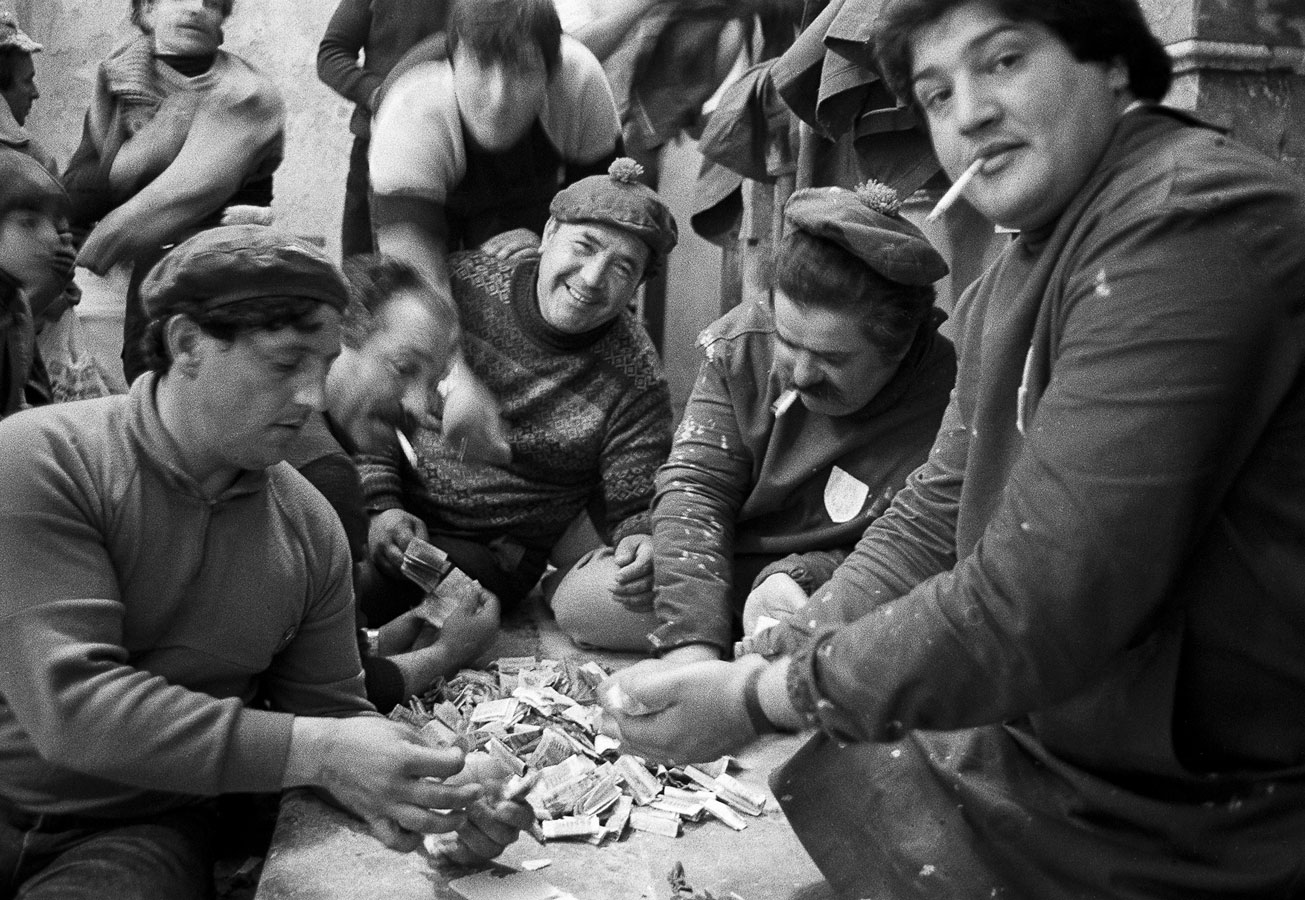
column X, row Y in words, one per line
column 225, row 265
column 865, row 222
column 620, row 200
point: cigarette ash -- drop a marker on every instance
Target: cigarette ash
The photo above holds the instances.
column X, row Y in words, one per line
column 540, row 718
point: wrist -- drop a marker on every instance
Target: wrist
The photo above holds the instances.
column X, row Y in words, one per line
column 772, row 694
column 303, row 761
column 760, row 722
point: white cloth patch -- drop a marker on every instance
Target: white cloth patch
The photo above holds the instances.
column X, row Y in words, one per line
column 845, row 495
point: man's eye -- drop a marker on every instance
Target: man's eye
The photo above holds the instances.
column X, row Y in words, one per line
column 935, row 97
column 1006, row 61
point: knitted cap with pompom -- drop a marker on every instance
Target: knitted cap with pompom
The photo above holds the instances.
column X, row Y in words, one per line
column 620, row 200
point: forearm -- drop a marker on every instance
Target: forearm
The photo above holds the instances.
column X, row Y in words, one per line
column 415, row 231
column 382, row 481
column 338, row 53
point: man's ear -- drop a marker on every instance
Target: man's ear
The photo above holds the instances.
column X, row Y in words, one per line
column 185, row 349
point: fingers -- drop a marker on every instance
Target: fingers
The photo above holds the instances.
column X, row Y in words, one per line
column 489, row 829
column 635, row 587
column 639, row 602
column 393, row 835
column 421, row 821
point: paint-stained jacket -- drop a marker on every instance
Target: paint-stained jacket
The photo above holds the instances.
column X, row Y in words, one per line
column 1105, row 550
column 740, row 481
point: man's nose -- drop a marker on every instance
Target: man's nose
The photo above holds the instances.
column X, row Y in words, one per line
column 415, row 401
column 974, row 104
column 311, row 391
column 805, row 373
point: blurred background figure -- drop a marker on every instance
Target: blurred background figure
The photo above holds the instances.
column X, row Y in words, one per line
column 177, row 131
column 362, row 43
column 18, row 87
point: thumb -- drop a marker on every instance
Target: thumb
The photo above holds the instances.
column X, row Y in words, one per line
column 653, row 693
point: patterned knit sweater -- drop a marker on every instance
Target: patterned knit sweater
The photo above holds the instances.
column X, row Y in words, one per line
column 589, row 422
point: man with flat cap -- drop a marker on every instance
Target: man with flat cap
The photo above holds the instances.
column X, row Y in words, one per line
column 809, row 412
column 586, row 405
column 175, row 601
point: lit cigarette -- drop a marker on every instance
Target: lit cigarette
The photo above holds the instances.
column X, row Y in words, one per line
column 405, row 445
column 783, row 402
column 954, row 191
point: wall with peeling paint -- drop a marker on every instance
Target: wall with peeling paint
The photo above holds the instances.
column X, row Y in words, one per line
column 1241, row 65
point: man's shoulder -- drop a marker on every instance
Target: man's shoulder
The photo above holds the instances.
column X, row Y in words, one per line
column 244, row 83
column 475, row 275
column 92, row 431
column 81, row 422
column 1169, row 161
column 426, row 89
column 737, row 334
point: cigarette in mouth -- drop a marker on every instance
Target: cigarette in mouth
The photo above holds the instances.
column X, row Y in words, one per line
column 954, row 191
column 783, row 402
column 406, row 446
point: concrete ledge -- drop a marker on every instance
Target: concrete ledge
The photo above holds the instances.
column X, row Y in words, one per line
column 1196, row 55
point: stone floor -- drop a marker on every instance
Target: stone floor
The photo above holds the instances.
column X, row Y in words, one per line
column 319, row 852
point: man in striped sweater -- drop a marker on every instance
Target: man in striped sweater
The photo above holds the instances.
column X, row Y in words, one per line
column 582, row 393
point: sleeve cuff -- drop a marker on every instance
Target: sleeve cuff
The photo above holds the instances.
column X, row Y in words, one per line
column 808, row 696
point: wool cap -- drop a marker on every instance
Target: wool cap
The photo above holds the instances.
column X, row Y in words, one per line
column 26, row 184
column 225, row 265
column 12, row 36
column 865, row 222
column 620, row 200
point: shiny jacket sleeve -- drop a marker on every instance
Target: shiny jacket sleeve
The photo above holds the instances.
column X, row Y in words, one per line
column 700, row 491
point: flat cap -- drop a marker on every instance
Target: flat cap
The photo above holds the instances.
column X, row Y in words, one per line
column 865, row 222
column 221, row 266
column 620, row 200
column 26, row 184
column 12, row 36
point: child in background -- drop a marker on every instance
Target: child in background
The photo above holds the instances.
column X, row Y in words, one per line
column 31, row 208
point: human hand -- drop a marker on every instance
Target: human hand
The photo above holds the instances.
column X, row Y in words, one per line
column 471, row 621
column 382, row 772
column 519, row 243
column 634, row 573
column 65, row 258
column 401, row 633
column 778, row 599
column 108, row 244
column 388, row 535
column 671, row 712
column 491, row 827
column 472, row 426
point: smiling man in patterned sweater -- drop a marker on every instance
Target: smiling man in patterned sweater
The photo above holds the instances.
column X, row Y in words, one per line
column 582, row 393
